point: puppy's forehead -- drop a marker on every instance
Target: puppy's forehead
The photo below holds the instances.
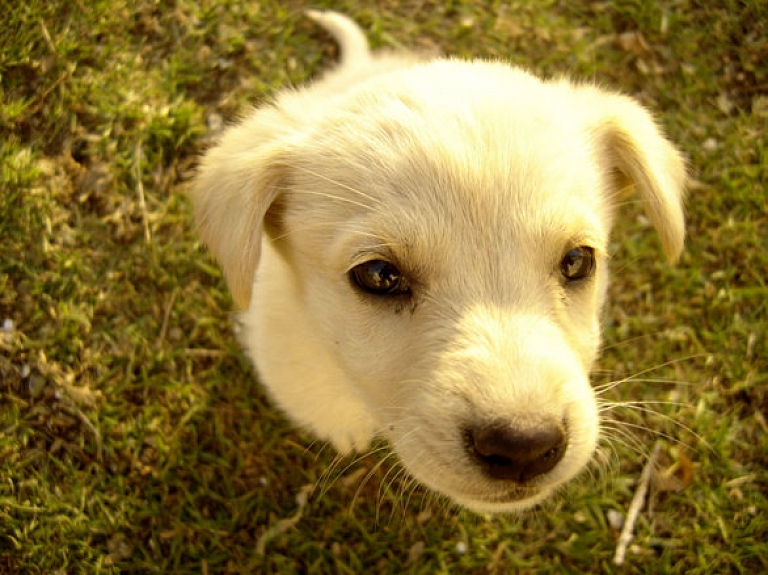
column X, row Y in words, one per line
column 484, row 164
column 473, row 126
column 437, row 168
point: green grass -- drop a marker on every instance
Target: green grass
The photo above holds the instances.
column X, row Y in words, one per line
column 133, row 436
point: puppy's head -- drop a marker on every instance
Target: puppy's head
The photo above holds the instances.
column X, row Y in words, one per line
column 447, row 226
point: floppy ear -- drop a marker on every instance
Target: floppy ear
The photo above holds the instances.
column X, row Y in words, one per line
column 633, row 149
column 237, row 182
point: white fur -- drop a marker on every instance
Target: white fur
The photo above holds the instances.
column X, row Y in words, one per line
column 474, row 178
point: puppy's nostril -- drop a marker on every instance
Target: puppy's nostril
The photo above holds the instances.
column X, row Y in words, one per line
column 505, row 452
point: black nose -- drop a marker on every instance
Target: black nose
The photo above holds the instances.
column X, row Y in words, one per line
column 517, row 454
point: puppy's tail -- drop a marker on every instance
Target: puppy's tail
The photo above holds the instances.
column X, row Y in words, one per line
column 352, row 42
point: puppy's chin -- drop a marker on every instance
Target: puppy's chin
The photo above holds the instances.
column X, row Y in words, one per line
column 512, row 500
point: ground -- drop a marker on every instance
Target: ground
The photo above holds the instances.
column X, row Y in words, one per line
column 133, row 435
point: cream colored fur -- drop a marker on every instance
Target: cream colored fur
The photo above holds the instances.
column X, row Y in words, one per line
column 474, row 178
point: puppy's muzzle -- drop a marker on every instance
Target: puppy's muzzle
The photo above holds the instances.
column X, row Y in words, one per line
column 508, row 414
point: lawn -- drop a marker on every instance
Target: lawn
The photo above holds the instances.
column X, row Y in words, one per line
column 134, row 437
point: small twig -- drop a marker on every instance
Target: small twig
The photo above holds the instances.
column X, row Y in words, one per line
column 201, row 352
column 284, row 525
column 627, row 530
column 166, row 317
column 47, row 37
column 140, row 191
column 77, row 412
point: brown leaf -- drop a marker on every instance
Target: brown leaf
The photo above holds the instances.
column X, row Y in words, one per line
column 673, row 475
column 634, row 43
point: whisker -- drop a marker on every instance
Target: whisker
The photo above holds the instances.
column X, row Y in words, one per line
column 329, row 476
column 335, row 198
column 604, row 461
column 333, row 474
column 605, row 387
column 656, row 432
column 627, row 341
column 637, row 377
column 412, row 486
column 331, row 181
column 369, row 475
column 664, row 417
column 336, row 227
column 397, row 468
column 606, row 406
column 618, row 434
column 405, row 482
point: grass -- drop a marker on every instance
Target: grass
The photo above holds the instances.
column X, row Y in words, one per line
column 133, row 435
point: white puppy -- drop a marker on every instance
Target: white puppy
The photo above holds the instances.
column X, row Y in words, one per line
column 421, row 250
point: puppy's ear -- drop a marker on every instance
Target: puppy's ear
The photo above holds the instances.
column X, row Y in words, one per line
column 636, row 153
column 236, row 185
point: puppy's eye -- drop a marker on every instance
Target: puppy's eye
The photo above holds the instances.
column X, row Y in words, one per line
column 578, row 263
column 379, row 277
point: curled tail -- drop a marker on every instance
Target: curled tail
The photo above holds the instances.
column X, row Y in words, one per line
column 353, row 44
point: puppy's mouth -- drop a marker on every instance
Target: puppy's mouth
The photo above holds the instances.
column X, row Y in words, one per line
column 510, row 497
column 513, row 494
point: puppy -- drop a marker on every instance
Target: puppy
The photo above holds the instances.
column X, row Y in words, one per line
column 420, row 250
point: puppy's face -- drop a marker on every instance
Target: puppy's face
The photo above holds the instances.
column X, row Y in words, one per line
column 457, row 275
column 450, row 258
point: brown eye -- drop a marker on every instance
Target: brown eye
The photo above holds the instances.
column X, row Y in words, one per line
column 379, row 278
column 578, row 263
